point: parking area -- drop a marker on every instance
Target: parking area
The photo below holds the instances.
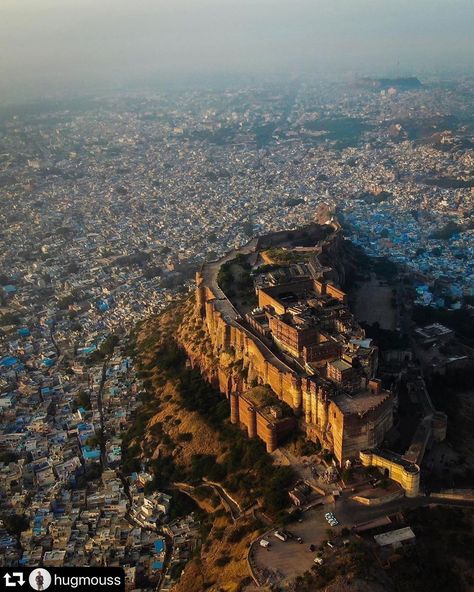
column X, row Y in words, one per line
column 286, row 560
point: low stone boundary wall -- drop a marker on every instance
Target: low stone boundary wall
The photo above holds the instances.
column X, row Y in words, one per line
column 455, row 494
column 377, row 501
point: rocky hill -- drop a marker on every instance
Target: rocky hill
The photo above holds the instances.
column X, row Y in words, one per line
column 183, row 434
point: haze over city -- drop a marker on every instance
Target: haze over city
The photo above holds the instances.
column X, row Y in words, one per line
column 75, row 46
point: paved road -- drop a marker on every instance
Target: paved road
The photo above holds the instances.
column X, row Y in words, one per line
column 103, row 378
column 52, row 329
column 351, row 513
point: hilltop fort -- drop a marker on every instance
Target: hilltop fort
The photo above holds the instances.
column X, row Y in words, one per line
column 291, row 354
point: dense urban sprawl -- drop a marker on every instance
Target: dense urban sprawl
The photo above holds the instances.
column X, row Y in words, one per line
column 110, row 205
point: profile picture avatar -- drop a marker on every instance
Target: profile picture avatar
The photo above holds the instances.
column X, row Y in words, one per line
column 40, row 579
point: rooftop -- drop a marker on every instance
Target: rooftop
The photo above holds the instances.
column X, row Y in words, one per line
column 360, row 403
column 395, row 536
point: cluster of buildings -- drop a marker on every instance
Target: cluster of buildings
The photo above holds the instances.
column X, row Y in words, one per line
column 443, row 266
column 61, row 473
column 98, row 202
column 60, row 443
column 185, row 536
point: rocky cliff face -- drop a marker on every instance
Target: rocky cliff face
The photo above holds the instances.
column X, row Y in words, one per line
column 223, row 368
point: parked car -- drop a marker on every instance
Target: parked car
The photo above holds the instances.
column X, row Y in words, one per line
column 318, row 560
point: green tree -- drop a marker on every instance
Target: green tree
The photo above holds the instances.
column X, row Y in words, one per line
column 15, row 524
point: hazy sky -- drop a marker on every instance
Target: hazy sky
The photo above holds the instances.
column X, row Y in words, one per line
column 52, row 45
